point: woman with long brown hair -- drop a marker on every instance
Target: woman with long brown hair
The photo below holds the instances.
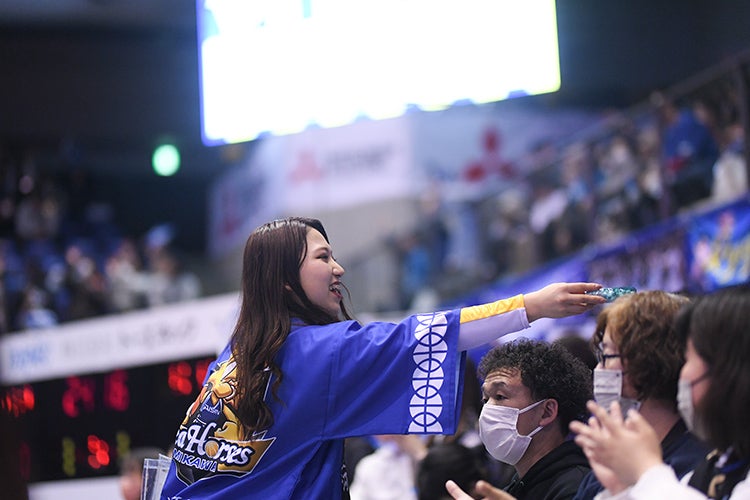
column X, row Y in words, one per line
column 299, row 375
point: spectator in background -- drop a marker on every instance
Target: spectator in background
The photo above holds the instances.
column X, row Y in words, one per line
column 131, row 471
column 689, row 150
column 84, row 284
column 647, row 208
column 355, row 449
column 390, row 471
column 511, row 245
column 576, row 172
column 730, row 170
column 416, row 268
column 29, row 223
column 449, row 461
column 464, row 257
column 432, row 227
column 38, row 215
column 34, row 312
column 579, row 347
column 570, row 230
column 55, row 246
column 169, row 282
column 618, row 169
column 126, row 279
column 548, row 204
column 12, row 283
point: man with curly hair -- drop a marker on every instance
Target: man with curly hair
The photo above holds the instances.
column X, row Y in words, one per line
column 532, row 391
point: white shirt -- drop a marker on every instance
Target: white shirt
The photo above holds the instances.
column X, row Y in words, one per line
column 386, row 474
column 660, row 482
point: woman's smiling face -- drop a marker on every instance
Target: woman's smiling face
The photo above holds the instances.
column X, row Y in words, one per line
column 320, row 274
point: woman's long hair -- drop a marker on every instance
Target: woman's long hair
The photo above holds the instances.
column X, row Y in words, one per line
column 272, row 296
column 718, row 325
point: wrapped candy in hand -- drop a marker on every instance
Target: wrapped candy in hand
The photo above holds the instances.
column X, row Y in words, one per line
column 611, row 293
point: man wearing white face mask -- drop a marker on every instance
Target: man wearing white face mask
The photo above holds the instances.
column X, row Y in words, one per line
column 640, row 356
column 533, row 390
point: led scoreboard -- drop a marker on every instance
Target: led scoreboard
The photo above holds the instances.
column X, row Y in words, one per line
column 81, row 396
column 79, row 426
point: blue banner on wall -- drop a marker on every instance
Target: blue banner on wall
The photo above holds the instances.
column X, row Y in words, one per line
column 699, row 253
column 718, row 248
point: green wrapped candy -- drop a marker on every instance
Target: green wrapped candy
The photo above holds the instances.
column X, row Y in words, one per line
column 611, row 293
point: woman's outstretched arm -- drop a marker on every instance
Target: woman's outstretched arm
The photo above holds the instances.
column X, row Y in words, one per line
column 487, row 322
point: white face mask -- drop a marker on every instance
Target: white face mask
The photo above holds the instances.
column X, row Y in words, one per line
column 499, row 432
column 685, row 403
column 686, row 409
column 608, row 389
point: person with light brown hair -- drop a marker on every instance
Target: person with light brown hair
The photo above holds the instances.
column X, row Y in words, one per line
column 640, row 356
column 713, row 397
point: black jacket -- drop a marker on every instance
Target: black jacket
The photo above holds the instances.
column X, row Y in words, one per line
column 555, row 477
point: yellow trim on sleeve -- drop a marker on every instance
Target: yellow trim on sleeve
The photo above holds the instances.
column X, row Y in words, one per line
column 496, row 308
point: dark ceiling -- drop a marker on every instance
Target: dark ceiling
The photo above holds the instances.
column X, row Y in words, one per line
column 106, row 79
column 100, row 82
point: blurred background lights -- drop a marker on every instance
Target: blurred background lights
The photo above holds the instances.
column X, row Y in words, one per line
column 166, row 160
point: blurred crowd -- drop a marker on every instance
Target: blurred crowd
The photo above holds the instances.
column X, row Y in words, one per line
column 663, row 425
column 668, row 156
column 63, row 256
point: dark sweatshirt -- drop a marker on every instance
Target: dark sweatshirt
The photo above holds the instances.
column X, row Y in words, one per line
column 555, row 477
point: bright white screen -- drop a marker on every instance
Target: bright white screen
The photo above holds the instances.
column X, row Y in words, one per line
column 280, row 66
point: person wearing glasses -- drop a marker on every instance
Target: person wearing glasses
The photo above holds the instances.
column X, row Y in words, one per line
column 639, row 359
column 713, row 397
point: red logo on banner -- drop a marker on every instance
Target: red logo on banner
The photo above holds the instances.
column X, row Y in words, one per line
column 491, row 163
column 306, row 169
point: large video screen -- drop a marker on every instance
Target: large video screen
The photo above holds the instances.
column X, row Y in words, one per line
column 282, row 66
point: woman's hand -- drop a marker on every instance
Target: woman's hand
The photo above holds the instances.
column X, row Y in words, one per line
column 559, row 300
column 620, row 450
column 483, row 488
column 606, row 476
